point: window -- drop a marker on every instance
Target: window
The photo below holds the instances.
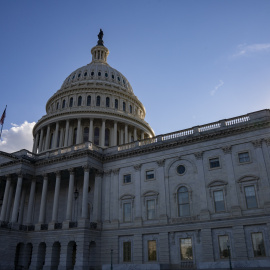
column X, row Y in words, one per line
column 112, row 76
column 79, row 75
column 80, row 101
column 96, row 136
column 258, row 244
column 127, row 178
column 152, row 250
column 116, row 103
column 74, row 135
column 130, row 108
column 85, row 74
column 149, row 175
column 186, row 249
column 51, row 141
column 99, row 73
column 89, row 101
column 127, row 212
column 243, row 157
column 214, row 163
column 118, row 78
column 181, row 169
column 71, row 102
column 107, row 102
column 183, row 202
column 127, row 251
column 92, row 73
column 98, row 101
column 106, row 74
column 223, row 248
column 250, row 195
column 63, row 104
column 57, row 106
column 219, row 201
column 85, row 134
column 124, row 106
column 150, row 209
column 107, row 137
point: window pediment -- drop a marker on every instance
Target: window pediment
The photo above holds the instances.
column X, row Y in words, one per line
column 217, row 183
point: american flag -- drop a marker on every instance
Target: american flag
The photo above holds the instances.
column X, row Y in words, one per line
column 3, row 117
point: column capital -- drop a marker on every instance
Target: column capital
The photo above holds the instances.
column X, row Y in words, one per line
column 8, row 176
column 198, row 155
column 71, row 171
column 137, row 167
column 86, row 168
column 99, row 173
column 58, row 173
column 116, row 171
column 227, row 149
column 257, row 143
column 108, row 172
column 267, row 140
column 161, row 162
column 45, row 175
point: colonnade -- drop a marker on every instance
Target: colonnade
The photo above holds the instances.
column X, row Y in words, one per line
column 19, row 199
column 101, row 132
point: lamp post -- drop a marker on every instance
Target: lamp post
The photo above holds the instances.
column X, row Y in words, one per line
column 111, row 259
column 229, row 253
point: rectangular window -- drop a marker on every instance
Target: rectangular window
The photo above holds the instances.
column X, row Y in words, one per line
column 219, row 201
column 214, row 163
column 149, row 175
column 250, row 197
column 127, row 251
column 243, row 157
column 151, row 209
column 186, row 249
column 223, row 248
column 127, row 178
column 258, row 244
column 152, row 250
column 127, row 212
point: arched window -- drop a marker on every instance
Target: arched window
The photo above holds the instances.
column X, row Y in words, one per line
column 130, row 108
column 74, row 135
column 116, row 103
column 63, row 104
column 98, row 101
column 96, row 136
column 85, row 134
column 124, row 106
column 183, row 202
column 107, row 102
column 107, row 137
column 80, row 101
column 71, row 102
column 89, row 101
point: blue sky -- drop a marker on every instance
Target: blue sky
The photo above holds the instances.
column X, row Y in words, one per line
column 189, row 62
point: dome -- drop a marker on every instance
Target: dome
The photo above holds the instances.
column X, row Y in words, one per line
column 95, row 104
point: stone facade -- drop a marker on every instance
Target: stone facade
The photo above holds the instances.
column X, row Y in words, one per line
column 84, row 200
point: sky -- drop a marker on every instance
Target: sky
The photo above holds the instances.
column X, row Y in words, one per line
column 189, row 62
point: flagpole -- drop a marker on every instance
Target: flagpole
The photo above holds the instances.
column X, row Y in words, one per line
column 2, row 121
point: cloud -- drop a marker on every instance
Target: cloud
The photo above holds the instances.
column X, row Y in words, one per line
column 18, row 137
column 244, row 49
column 216, row 88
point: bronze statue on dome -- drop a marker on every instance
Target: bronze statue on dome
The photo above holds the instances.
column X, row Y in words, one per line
column 100, row 37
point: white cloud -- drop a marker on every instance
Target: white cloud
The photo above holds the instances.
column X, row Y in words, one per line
column 18, row 137
column 244, row 49
column 216, row 88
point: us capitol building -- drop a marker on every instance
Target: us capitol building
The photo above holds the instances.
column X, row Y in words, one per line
column 101, row 190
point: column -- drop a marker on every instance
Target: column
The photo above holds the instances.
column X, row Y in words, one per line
column 129, row 137
column 121, row 136
column 40, row 141
column 9, row 204
column 164, row 257
column 97, row 197
column 207, row 245
column 138, row 210
column 66, row 134
column 5, row 201
column 47, row 138
column 31, row 202
column 70, row 195
column 41, row 218
column 162, row 190
column 240, row 243
column 78, row 138
column 138, row 249
column 55, row 137
column 35, row 144
column 56, row 196
column 102, row 143
column 17, row 198
column 91, row 127
column 20, row 220
column 142, row 135
column 70, row 136
column 115, row 133
column 114, row 197
column 85, row 193
column 126, row 133
column 135, row 134
column 61, row 137
column 106, row 187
